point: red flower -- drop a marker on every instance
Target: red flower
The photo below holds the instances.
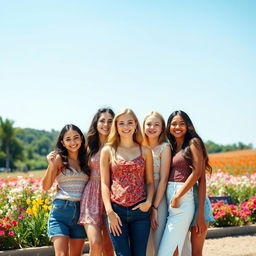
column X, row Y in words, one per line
column 14, row 223
column 8, row 225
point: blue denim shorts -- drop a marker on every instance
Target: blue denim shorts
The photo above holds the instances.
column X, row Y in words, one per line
column 63, row 220
column 207, row 208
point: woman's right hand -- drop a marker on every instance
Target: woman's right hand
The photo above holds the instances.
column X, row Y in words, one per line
column 114, row 223
column 51, row 157
column 175, row 202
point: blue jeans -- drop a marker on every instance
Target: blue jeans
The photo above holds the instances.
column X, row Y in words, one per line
column 135, row 230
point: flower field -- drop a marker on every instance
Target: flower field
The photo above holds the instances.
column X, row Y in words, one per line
column 24, row 207
column 234, row 174
column 241, row 162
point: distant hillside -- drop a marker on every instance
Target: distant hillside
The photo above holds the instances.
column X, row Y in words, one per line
column 30, row 146
column 29, row 149
column 217, row 148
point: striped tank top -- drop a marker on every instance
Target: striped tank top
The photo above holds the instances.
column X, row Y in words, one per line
column 71, row 185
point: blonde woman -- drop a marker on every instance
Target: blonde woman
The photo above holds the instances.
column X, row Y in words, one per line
column 126, row 167
column 155, row 138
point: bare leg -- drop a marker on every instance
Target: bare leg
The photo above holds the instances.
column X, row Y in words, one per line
column 76, row 247
column 108, row 249
column 176, row 252
column 95, row 239
column 197, row 241
column 60, row 244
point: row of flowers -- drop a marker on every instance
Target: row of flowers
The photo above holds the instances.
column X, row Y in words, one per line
column 234, row 215
column 24, row 207
column 24, row 210
column 240, row 188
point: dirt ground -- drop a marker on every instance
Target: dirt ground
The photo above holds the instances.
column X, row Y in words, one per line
column 229, row 246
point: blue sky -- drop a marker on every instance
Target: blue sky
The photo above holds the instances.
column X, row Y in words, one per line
column 62, row 60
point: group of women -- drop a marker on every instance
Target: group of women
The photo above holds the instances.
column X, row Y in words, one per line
column 134, row 191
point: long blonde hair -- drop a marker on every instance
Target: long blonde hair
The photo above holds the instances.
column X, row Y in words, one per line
column 162, row 137
column 114, row 138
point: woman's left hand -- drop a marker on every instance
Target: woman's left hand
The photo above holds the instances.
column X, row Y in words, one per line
column 175, row 202
column 154, row 219
column 144, row 207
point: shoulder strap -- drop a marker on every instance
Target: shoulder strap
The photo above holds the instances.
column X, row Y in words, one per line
column 140, row 150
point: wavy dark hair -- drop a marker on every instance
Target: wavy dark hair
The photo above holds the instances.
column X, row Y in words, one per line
column 92, row 137
column 63, row 152
column 190, row 137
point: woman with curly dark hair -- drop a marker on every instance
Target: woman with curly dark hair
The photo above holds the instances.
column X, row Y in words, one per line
column 92, row 214
column 68, row 166
column 189, row 162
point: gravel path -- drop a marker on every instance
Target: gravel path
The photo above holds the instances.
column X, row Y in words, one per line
column 229, row 246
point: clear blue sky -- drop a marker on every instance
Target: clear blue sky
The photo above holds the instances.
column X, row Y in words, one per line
column 62, row 60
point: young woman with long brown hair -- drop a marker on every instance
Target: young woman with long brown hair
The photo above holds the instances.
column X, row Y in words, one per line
column 92, row 214
column 189, row 162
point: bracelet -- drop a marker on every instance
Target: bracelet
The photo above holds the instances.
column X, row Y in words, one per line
column 156, row 208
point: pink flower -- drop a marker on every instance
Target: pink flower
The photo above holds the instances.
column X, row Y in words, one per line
column 21, row 216
column 21, row 209
column 10, row 233
column 1, row 232
column 232, row 207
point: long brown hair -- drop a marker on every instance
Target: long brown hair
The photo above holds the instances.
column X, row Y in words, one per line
column 63, row 152
column 92, row 138
column 190, row 138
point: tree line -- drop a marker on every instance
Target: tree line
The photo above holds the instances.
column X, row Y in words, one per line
column 25, row 149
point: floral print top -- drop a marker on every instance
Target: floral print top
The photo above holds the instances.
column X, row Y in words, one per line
column 127, row 186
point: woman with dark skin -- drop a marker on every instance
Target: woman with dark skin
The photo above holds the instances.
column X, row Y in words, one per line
column 189, row 162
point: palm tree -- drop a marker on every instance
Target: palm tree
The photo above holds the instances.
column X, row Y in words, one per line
column 7, row 134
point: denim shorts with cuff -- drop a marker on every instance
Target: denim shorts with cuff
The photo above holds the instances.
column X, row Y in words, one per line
column 63, row 220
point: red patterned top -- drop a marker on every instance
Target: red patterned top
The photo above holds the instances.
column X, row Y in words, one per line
column 127, row 186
